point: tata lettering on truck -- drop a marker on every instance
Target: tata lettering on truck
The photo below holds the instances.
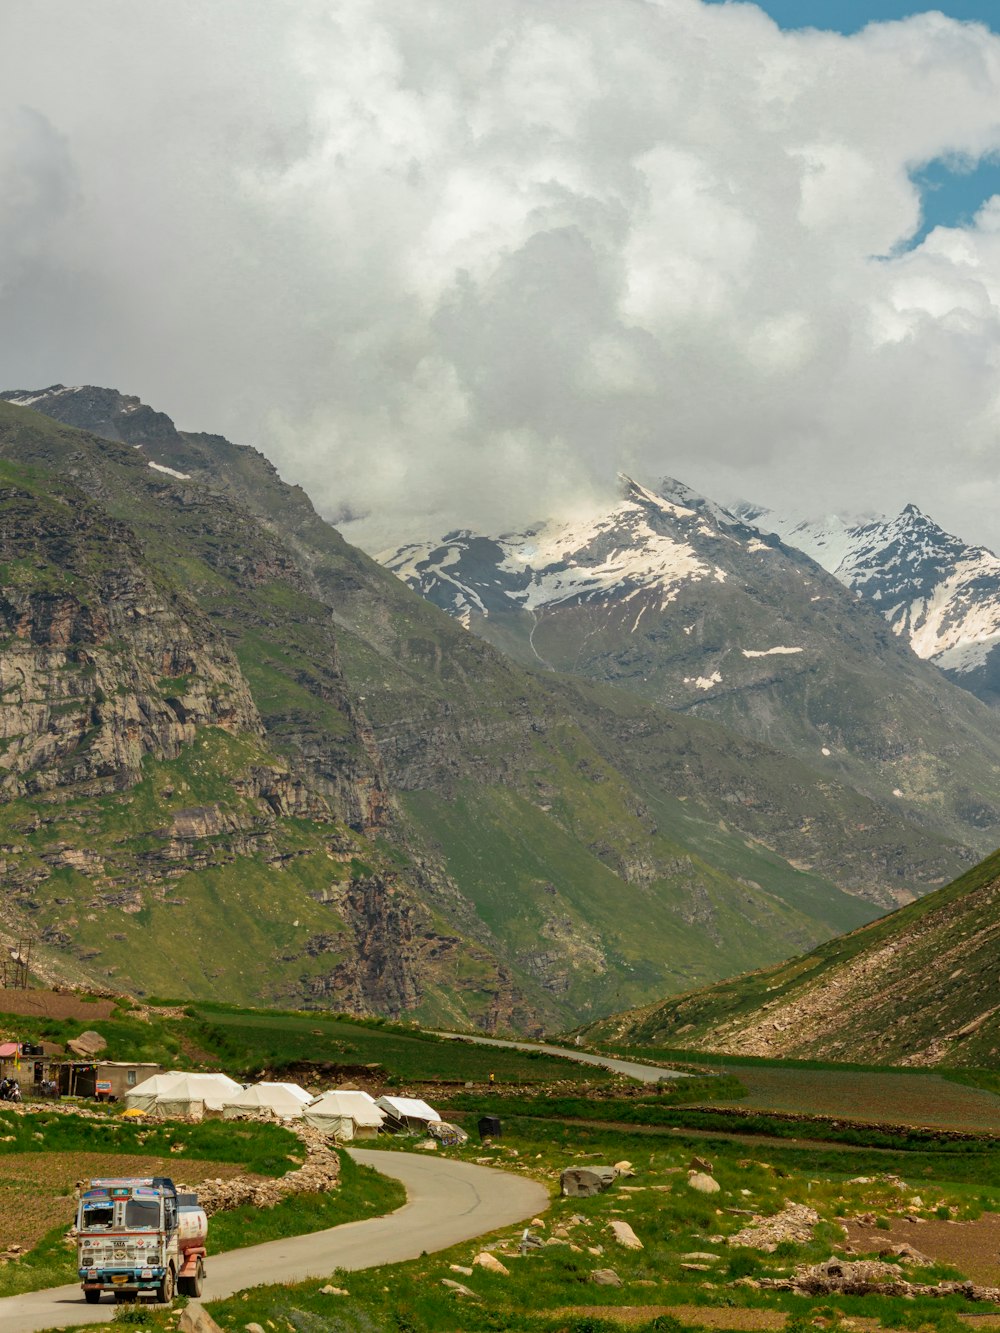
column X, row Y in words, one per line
column 140, row 1237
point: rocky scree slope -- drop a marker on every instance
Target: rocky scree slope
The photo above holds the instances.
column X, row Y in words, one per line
column 917, row 987
column 938, row 593
column 674, row 598
column 559, row 845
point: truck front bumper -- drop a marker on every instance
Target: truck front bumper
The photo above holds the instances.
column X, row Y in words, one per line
column 121, row 1279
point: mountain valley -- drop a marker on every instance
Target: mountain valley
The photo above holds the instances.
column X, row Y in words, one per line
column 232, row 732
column 917, row 987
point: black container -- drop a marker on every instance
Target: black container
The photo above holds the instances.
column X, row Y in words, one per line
column 490, row 1127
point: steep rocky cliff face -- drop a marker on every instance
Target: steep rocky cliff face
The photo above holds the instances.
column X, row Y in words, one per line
column 100, row 664
column 242, row 588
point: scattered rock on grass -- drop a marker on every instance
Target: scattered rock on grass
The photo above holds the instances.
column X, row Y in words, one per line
column 795, row 1222
column 580, row 1182
column 605, row 1277
column 703, row 1183
column 196, row 1319
column 491, row 1263
column 458, row 1288
column 624, row 1234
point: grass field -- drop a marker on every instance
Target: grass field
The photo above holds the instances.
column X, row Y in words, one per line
column 902, row 1098
column 946, row 1099
column 245, row 1041
column 262, row 1148
column 550, row 1110
column 43, row 1155
column 37, row 1206
column 249, row 1040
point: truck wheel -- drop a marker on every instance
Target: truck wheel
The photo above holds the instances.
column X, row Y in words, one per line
column 165, row 1291
column 91, row 1296
column 192, row 1284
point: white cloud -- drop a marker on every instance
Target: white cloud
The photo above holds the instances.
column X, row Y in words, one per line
column 446, row 261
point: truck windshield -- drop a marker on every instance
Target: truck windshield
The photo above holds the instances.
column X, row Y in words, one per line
column 97, row 1215
column 142, row 1213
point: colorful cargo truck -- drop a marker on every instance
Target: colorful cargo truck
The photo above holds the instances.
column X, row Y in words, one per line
column 140, row 1237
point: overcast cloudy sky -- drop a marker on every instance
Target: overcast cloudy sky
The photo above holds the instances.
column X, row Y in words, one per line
column 458, row 261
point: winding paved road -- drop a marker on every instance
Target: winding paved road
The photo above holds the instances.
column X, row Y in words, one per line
column 447, row 1202
column 645, row 1073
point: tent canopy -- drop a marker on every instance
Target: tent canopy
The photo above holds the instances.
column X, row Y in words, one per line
column 358, row 1106
column 284, row 1099
column 407, row 1109
column 345, row 1114
column 177, row 1092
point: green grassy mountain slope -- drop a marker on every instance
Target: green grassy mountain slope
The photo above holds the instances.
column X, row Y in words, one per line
column 916, row 987
column 562, row 848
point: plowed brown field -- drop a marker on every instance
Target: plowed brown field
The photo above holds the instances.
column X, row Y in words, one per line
column 53, row 1004
column 36, row 1189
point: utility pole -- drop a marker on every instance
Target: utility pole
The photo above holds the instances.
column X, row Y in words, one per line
column 14, row 966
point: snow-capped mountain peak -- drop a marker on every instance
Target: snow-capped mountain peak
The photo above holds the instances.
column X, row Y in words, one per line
column 642, row 543
column 935, row 590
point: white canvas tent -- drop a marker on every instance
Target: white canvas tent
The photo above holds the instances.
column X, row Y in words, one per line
column 181, row 1094
column 286, row 1100
column 345, row 1114
column 407, row 1112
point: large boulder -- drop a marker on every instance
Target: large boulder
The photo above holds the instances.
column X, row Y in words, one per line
column 196, row 1319
column 704, row 1184
column 491, row 1263
column 580, row 1182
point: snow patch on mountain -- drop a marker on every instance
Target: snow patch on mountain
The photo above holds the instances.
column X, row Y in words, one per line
column 769, row 652
column 27, row 398
column 704, row 682
column 170, row 471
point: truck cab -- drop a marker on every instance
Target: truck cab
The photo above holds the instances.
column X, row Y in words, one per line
column 130, row 1242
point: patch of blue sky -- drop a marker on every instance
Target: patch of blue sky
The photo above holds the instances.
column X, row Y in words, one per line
column 849, row 16
column 952, row 189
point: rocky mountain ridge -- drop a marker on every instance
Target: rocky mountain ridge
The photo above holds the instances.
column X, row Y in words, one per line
column 671, row 596
column 938, row 593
